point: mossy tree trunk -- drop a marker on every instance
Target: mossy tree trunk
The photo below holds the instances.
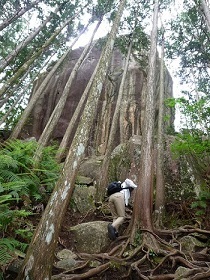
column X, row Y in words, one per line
column 40, row 255
column 75, row 118
column 55, row 116
column 142, row 214
column 41, row 90
column 28, row 40
column 18, row 14
column 110, row 145
column 160, row 185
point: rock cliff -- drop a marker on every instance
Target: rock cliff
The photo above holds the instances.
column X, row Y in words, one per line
column 132, row 107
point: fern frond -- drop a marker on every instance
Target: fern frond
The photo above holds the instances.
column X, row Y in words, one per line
column 7, row 161
column 17, row 186
column 22, row 213
column 18, row 180
column 5, row 198
column 5, row 256
column 7, row 249
column 37, row 196
column 6, row 216
column 8, row 175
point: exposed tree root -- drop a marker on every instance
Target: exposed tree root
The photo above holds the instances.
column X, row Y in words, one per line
column 153, row 259
column 181, row 231
column 85, row 275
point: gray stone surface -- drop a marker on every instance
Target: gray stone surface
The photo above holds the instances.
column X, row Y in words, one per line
column 90, row 237
column 84, row 199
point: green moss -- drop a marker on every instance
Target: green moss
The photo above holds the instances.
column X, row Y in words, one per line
column 119, row 163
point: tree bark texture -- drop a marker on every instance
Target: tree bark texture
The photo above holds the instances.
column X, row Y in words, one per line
column 27, row 64
column 39, row 258
column 75, row 118
column 143, row 198
column 54, row 118
column 15, row 52
column 41, row 91
column 114, row 124
column 160, row 186
column 19, row 13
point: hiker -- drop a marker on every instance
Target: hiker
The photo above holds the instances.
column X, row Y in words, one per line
column 119, row 194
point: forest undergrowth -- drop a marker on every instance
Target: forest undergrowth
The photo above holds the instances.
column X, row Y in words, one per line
column 154, row 255
column 151, row 255
column 157, row 255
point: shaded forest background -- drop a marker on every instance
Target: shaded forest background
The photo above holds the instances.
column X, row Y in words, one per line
column 37, row 38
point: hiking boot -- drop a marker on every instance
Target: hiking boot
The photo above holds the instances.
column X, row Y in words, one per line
column 111, row 232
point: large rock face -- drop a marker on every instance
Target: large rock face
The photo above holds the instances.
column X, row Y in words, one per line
column 131, row 110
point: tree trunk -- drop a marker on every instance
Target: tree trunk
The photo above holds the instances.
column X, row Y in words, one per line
column 206, row 12
column 21, row 12
column 104, row 169
column 142, row 213
column 160, row 186
column 4, row 62
column 18, row 100
column 54, row 118
column 75, row 118
column 27, row 64
column 39, row 258
column 40, row 90
column 16, row 87
column 19, row 87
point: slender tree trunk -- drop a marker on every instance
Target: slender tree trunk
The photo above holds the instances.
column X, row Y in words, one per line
column 206, row 12
column 74, row 118
column 40, row 255
column 18, row 14
column 41, row 90
column 160, row 185
column 4, row 100
column 18, row 100
column 110, row 145
column 4, row 62
column 19, row 86
column 55, row 116
column 142, row 214
column 27, row 64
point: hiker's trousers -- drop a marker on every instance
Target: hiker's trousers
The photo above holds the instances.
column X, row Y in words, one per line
column 117, row 207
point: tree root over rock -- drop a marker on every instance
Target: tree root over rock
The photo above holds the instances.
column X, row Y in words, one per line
column 153, row 259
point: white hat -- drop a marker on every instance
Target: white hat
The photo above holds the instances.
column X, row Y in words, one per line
column 128, row 183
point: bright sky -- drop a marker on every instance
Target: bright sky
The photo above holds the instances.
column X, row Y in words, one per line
column 172, row 65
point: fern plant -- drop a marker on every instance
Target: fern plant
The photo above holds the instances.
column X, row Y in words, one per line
column 8, row 216
column 200, row 204
column 17, row 175
column 8, row 248
column 21, row 187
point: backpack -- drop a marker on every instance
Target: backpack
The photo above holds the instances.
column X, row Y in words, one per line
column 114, row 187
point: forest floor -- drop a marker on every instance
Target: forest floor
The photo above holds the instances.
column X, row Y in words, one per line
column 144, row 262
